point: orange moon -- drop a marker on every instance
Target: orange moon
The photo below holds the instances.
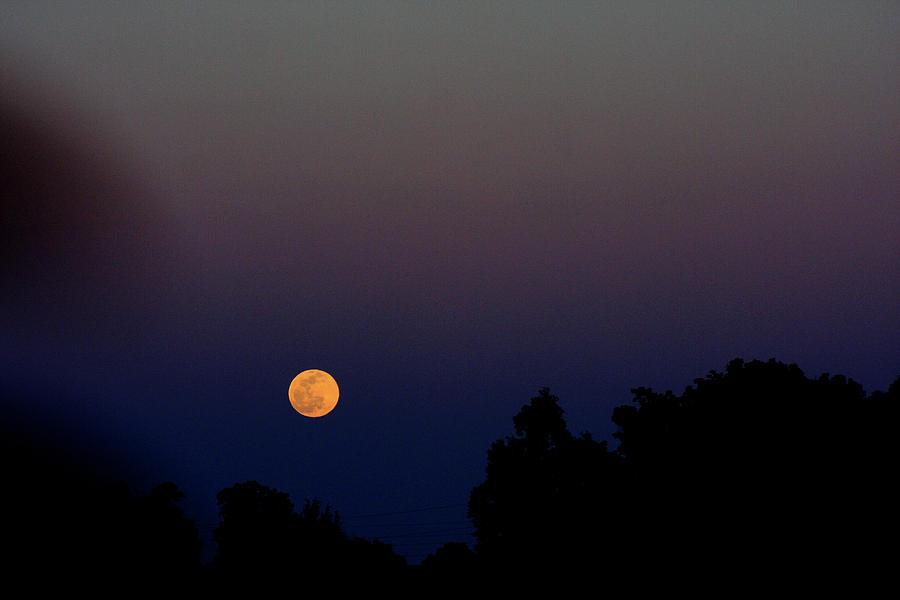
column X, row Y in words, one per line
column 313, row 393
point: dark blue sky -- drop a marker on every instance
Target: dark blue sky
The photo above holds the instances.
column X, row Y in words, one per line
column 447, row 209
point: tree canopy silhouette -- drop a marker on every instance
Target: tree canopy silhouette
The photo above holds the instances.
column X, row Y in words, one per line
column 119, row 537
column 257, row 528
column 539, row 489
column 262, row 537
column 757, row 469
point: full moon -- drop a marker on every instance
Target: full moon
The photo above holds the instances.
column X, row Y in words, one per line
column 313, row 393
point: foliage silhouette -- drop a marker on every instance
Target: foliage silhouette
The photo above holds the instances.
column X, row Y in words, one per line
column 537, row 481
column 754, row 473
column 256, row 529
column 449, row 561
column 129, row 540
column 751, row 459
column 114, row 537
column 66, row 505
column 162, row 541
column 373, row 559
column 262, row 538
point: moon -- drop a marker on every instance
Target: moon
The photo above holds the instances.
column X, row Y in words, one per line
column 313, row 393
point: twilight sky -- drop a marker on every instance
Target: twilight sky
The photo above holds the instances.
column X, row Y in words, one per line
column 446, row 206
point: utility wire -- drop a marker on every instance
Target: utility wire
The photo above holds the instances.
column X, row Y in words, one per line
column 403, row 512
column 414, row 545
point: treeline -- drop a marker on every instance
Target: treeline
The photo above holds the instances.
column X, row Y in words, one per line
column 754, row 475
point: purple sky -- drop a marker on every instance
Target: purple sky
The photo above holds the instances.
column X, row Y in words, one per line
column 444, row 207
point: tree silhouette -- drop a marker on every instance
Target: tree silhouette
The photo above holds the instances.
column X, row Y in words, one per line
column 750, row 475
column 164, row 542
column 262, row 538
column 454, row 564
column 320, row 542
column 542, row 487
column 257, row 530
column 751, row 471
column 449, row 557
column 123, row 538
column 374, row 560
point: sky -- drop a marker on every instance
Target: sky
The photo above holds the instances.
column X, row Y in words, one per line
column 447, row 206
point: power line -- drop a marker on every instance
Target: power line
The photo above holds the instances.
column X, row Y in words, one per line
column 429, row 524
column 403, row 512
column 414, row 539
column 440, row 532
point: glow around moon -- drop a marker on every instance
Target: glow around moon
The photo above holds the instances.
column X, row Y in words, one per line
column 313, row 393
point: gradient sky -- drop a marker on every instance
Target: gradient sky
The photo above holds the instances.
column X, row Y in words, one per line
column 446, row 206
